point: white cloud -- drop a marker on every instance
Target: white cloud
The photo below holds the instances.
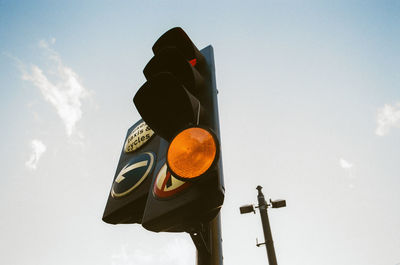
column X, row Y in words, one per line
column 176, row 252
column 345, row 164
column 65, row 94
column 38, row 148
column 138, row 257
column 348, row 168
column 388, row 116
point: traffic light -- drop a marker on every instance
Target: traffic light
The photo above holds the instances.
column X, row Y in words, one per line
column 169, row 176
column 179, row 103
column 133, row 177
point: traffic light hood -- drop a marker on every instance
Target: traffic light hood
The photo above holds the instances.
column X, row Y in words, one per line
column 176, row 37
column 166, row 105
column 171, row 60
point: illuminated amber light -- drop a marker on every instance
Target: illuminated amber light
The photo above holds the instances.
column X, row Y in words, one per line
column 192, row 152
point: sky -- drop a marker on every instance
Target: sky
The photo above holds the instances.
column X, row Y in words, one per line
column 309, row 100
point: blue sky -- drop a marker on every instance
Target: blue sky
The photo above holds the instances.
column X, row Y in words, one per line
column 309, row 109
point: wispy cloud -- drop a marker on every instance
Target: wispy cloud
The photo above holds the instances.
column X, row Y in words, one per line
column 348, row 168
column 38, row 148
column 345, row 164
column 138, row 257
column 387, row 117
column 176, row 252
column 65, row 93
column 179, row 252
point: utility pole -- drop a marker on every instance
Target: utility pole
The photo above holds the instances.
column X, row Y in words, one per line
column 269, row 243
column 263, row 207
column 209, row 243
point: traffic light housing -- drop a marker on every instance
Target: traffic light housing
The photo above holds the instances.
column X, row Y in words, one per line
column 180, row 97
column 169, row 176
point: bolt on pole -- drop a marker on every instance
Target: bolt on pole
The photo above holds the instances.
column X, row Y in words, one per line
column 208, row 243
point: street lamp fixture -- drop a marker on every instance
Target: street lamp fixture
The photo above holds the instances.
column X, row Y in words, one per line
column 277, row 203
column 262, row 207
column 247, row 209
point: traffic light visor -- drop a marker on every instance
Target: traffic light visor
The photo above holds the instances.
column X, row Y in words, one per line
column 166, row 106
column 192, row 152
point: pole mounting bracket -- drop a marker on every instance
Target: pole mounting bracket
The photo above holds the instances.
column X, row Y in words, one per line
column 259, row 244
column 201, row 239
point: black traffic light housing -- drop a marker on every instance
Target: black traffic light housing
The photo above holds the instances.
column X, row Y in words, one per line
column 160, row 93
column 180, row 92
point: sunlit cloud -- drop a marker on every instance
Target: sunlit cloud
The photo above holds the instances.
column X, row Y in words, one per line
column 387, row 117
column 345, row 164
column 38, row 148
column 176, row 252
column 65, row 93
column 348, row 167
column 137, row 257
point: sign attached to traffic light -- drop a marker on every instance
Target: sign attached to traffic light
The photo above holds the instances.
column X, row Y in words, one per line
column 133, row 176
column 179, row 102
column 167, row 185
column 169, row 177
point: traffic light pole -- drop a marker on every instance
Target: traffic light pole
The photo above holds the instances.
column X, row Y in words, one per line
column 212, row 253
column 209, row 243
column 269, row 243
column 216, row 241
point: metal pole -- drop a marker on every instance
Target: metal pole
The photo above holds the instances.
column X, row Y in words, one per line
column 211, row 253
column 216, row 241
column 269, row 244
column 209, row 243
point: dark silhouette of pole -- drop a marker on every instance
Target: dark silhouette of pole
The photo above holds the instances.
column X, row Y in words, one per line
column 269, row 243
column 208, row 242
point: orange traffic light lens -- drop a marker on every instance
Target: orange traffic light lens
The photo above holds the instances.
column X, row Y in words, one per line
column 192, row 152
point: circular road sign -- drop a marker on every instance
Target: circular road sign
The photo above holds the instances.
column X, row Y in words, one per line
column 132, row 174
column 166, row 185
column 138, row 137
